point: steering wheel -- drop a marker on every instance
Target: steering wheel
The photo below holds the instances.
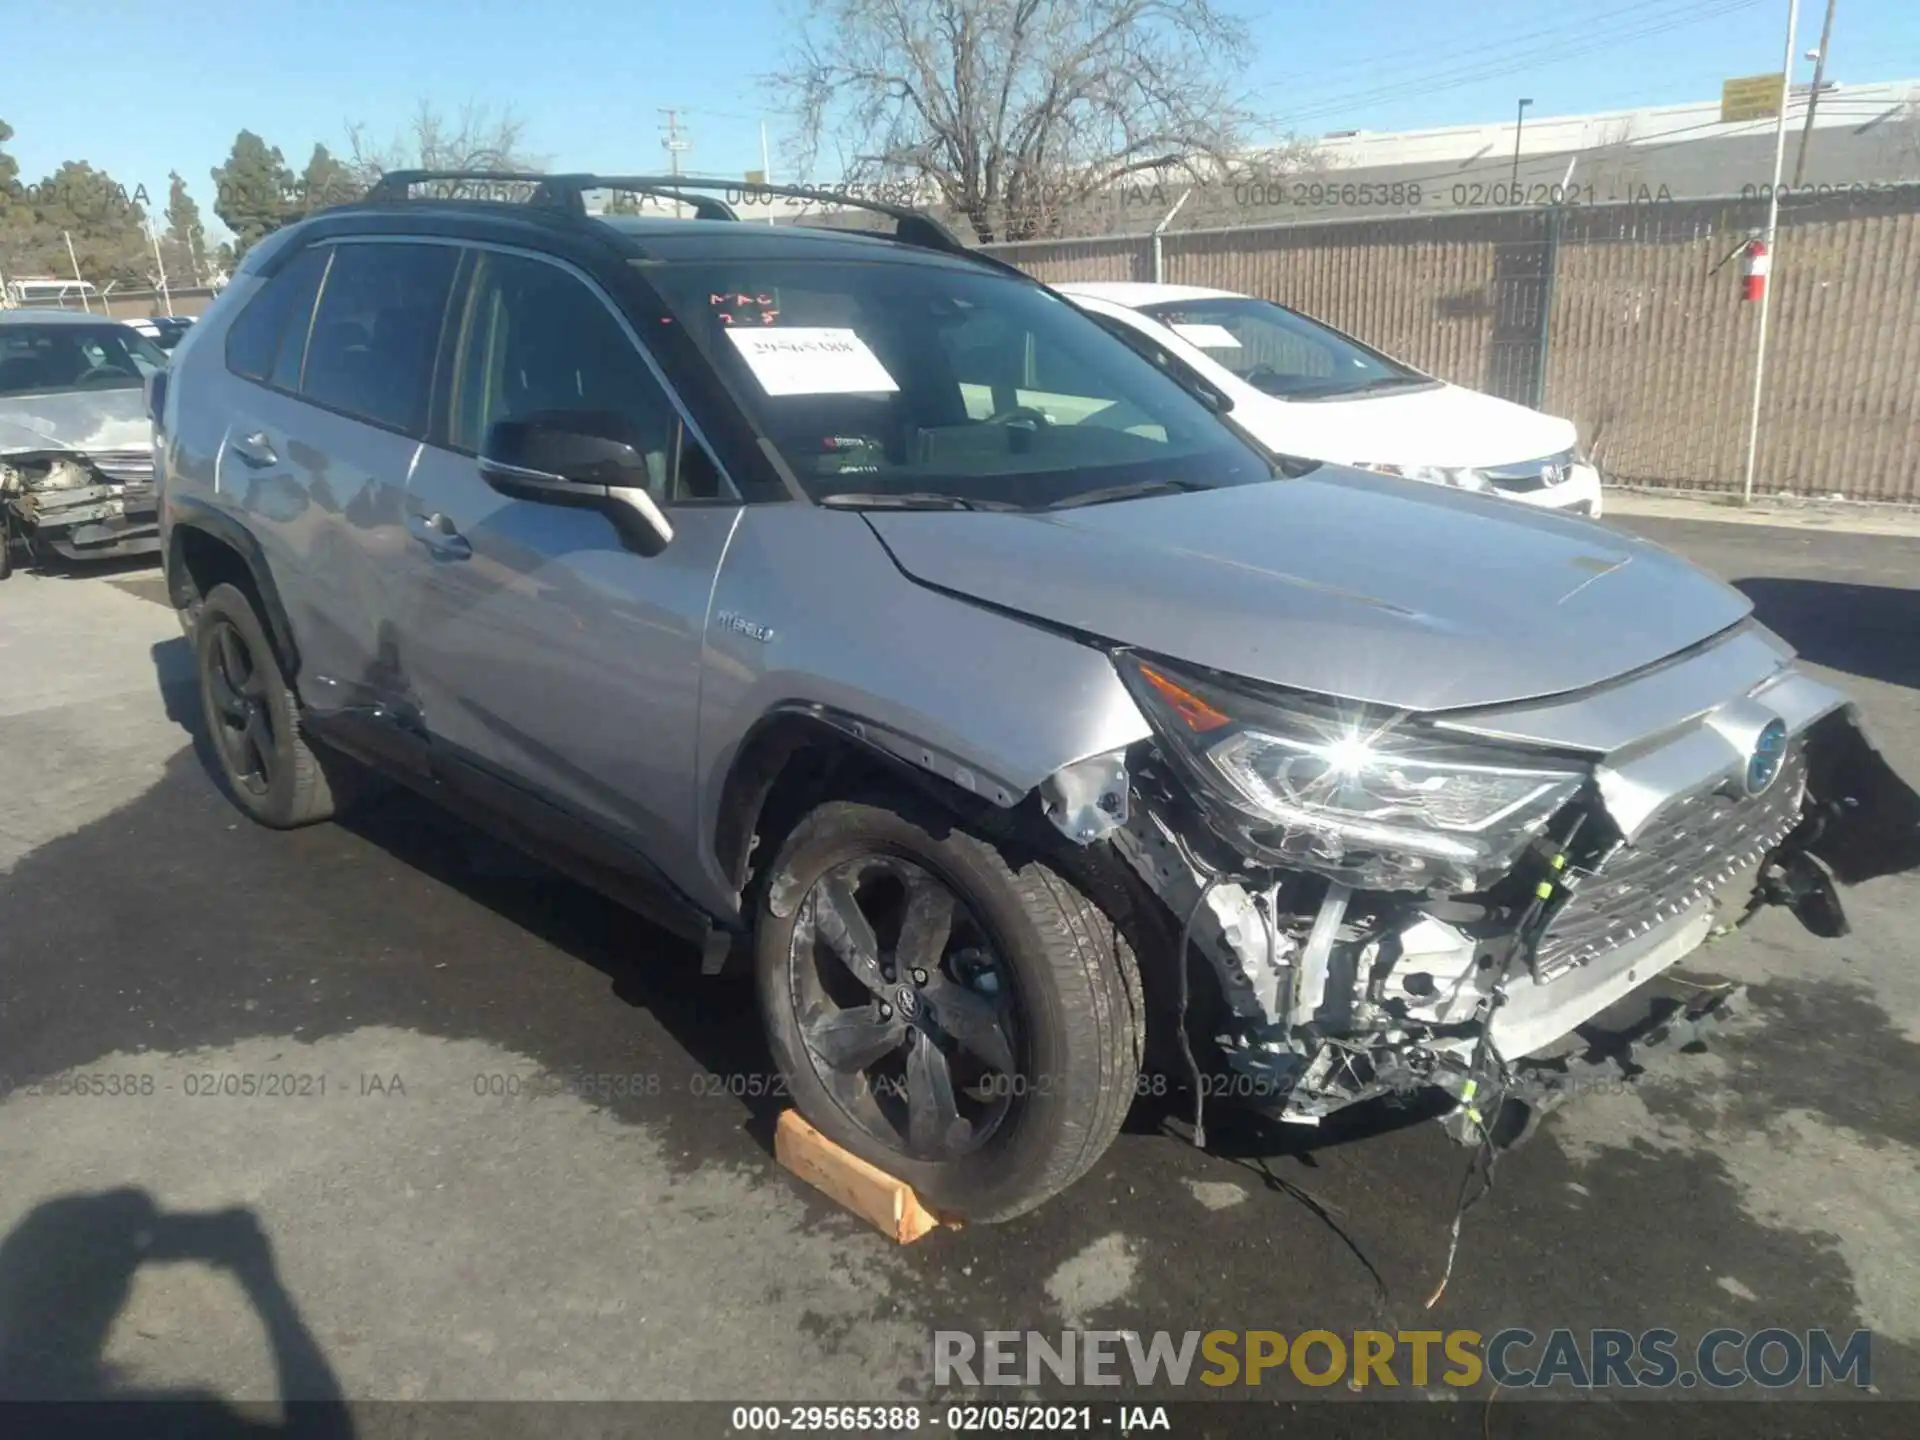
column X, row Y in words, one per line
column 1019, row 412
column 1262, row 371
column 100, row 372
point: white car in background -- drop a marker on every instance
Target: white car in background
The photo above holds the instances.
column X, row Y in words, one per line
column 1302, row 388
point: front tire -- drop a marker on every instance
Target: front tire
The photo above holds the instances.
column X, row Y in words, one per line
column 968, row 1021
column 253, row 717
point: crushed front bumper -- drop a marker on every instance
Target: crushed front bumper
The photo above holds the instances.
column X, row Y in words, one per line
column 87, row 522
column 1332, row 996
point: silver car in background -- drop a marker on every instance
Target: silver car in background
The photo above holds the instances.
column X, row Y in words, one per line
column 865, row 613
column 76, row 446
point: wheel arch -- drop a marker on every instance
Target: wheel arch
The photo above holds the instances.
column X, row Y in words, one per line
column 796, row 755
column 205, row 548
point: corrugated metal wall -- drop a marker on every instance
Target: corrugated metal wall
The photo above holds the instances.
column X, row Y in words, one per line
column 1109, row 257
column 1626, row 318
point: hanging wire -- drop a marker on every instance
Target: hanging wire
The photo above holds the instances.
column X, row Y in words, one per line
column 1186, row 1041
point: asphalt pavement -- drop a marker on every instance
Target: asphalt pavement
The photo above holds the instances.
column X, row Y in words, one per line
column 274, row 1120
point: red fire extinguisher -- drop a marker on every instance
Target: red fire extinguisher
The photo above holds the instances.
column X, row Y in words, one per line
column 1754, row 264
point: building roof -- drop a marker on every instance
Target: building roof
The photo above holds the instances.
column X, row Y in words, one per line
column 1864, row 137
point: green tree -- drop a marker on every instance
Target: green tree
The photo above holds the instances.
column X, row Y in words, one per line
column 9, row 167
column 184, row 245
column 12, row 212
column 88, row 208
column 254, row 192
column 326, row 182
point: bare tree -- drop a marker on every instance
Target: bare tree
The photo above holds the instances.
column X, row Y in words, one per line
column 1613, row 166
column 1013, row 114
column 474, row 139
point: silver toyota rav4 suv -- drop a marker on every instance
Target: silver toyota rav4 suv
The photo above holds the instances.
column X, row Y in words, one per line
column 860, row 610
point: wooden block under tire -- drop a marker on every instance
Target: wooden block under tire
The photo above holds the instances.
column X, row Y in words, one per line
column 888, row 1204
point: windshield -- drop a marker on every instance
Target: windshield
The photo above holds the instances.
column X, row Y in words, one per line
column 921, row 382
column 35, row 359
column 1278, row 352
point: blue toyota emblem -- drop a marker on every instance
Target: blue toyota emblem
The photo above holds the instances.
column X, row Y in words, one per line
column 1769, row 748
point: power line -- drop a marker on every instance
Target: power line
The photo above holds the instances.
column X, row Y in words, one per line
column 1473, row 73
column 1373, row 61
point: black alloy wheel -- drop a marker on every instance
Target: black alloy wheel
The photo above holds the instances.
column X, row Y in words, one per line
column 253, row 719
column 907, row 1014
column 239, row 705
column 951, row 1009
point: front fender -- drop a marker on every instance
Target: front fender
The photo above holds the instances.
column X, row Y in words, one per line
column 810, row 613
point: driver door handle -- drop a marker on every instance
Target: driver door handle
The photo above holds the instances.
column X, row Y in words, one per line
column 255, row 449
column 438, row 534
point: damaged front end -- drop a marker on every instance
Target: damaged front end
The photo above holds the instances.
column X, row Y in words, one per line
column 80, row 505
column 1390, row 906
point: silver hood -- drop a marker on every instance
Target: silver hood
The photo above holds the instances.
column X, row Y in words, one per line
column 1344, row 584
column 80, row 420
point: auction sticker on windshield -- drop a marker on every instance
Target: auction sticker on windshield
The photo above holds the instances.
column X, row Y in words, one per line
column 1207, row 337
column 811, row 360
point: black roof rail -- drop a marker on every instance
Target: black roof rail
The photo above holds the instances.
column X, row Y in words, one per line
column 914, row 227
column 394, row 184
column 559, row 192
column 911, row 226
column 570, row 191
column 567, row 192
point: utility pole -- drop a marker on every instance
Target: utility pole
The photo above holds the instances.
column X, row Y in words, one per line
column 1773, row 249
column 160, row 266
column 673, row 145
column 1813, row 95
column 766, row 168
column 1519, row 119
column 81, row 280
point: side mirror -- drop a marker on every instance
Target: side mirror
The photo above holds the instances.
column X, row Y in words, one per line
column 588, row 459
column 156, row 395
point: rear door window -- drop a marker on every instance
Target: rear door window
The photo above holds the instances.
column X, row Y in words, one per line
column 283, row 304
column 376, row 331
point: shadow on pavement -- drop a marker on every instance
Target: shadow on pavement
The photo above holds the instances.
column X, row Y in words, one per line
column 1872, row 631
column 66, row 1271
column 714, row 1019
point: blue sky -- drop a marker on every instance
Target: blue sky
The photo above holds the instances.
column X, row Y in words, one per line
column 166, row 88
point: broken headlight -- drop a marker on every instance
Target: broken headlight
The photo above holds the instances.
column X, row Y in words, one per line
column 1368, row 797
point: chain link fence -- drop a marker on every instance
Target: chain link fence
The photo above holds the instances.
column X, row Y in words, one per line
column 1626, row 318
column 134, row 304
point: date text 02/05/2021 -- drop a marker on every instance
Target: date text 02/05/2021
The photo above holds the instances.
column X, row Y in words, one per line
column 908, row 1419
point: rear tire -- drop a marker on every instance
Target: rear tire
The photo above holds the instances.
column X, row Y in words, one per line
column 1065, row 986
column 253, row 718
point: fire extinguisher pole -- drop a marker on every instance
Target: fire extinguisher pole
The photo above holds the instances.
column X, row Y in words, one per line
column 1773, row 224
